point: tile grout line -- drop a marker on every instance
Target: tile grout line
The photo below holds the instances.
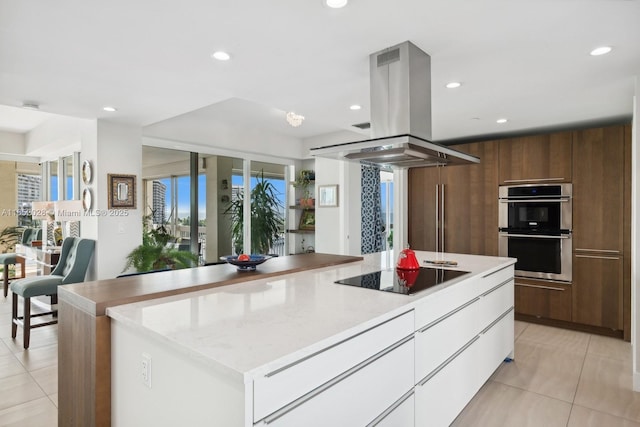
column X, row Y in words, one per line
column 575, row 393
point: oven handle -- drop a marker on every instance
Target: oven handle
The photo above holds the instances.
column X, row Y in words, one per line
column 535, row 236
column 558, row 200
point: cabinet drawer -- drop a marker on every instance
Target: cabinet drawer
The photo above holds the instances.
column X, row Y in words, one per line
column 437, row 341
column 401, row 413
column 494, row 279
column 496, row 344
column 448, row 299
column 440, row 398
column 548, row 300
column 356, row 399
column 495, row 301
column 280, row 387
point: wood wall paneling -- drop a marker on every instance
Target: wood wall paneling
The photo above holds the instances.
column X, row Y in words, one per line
column 598, row 189
column 470, row 200
column 537, row 158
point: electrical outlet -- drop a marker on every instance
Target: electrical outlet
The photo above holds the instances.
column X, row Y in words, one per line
column 146, row 369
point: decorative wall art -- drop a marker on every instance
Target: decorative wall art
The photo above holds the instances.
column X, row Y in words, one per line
column 87, row 173
column 122, row 191
column 307, row 220
column 328, row 195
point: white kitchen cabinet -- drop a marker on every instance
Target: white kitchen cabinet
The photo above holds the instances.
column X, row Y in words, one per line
column 450, row 332
column 459, row 350
column 401, row 413
column 355, row 398
column 282, row 386
column 443, row 394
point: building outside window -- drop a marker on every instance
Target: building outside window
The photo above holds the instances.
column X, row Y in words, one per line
column 28, row 192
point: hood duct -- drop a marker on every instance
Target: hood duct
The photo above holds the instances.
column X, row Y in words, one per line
column 400, row 82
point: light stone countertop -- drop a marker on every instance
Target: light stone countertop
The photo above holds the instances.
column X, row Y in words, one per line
column 249, row 329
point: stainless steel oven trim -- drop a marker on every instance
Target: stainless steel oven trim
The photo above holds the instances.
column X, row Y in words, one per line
column 565, row 200
column 565, row 257
column 565, row 189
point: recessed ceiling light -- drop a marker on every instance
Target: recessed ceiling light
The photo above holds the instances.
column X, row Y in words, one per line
column 600, row 51
column 501, row 121
column 110, row 109
column 336, row 4
column 29, row 105
column 355, row 107
column 453, row 85
column 221, row 56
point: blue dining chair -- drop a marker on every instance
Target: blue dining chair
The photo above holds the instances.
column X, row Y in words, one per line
column 71, row 268
column 28, row 235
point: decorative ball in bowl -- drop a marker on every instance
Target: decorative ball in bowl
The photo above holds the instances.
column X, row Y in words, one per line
column 245, row 262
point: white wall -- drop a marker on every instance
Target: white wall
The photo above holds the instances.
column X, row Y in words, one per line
column 338, row 228
column 635, row 237
column 115, row 149
column 11, row 143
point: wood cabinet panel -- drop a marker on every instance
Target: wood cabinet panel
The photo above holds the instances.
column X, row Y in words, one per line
column 470, row 204
column 598, row 189
column 538, row 158
column 422, row 207
column 598, row 294
column 544, row 299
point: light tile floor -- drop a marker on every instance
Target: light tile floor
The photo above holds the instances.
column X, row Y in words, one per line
column 559, row 378
column 28, row 378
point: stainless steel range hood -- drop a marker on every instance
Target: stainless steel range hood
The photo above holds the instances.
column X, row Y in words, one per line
column 400, row 81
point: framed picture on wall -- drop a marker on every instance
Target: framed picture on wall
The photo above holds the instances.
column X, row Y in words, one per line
column 122, row 191
column 328, row 195
column 307, row 220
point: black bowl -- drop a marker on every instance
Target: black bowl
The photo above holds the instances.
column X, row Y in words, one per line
column 249, row 265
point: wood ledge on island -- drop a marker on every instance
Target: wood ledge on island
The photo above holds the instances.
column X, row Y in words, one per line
column 94, row 297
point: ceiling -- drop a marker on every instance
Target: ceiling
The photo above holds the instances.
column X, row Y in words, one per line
column 525, row 61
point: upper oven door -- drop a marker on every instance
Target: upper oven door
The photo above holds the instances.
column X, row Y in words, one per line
column 535, row 209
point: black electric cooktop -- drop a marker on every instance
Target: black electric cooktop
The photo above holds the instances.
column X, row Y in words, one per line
column 403, row 281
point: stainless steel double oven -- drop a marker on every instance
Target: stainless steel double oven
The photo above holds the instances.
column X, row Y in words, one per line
column 535, row 227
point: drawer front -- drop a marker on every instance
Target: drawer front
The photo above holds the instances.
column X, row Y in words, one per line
column 448, row 299
column 402, row 414
column 496, row 301
column 279, row 388
column 356, row 399
column 442, row 303
column 436, row 342
column 492, row 280
column 496, row 344
column 548, row 300
column 440, row 399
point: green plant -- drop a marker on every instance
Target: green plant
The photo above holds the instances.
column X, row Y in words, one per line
column 303, row 182
column 9, row 236
column 155, row 252
column 266, row 217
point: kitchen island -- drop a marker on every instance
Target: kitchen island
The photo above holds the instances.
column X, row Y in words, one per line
column 299, row 349
column 84, row 330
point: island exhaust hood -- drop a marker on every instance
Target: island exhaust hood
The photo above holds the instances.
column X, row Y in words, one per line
column 400, row 81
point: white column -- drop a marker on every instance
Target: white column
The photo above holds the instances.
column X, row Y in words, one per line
column 112, row 149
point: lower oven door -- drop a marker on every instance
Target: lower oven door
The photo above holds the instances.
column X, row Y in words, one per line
column 539, row 256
